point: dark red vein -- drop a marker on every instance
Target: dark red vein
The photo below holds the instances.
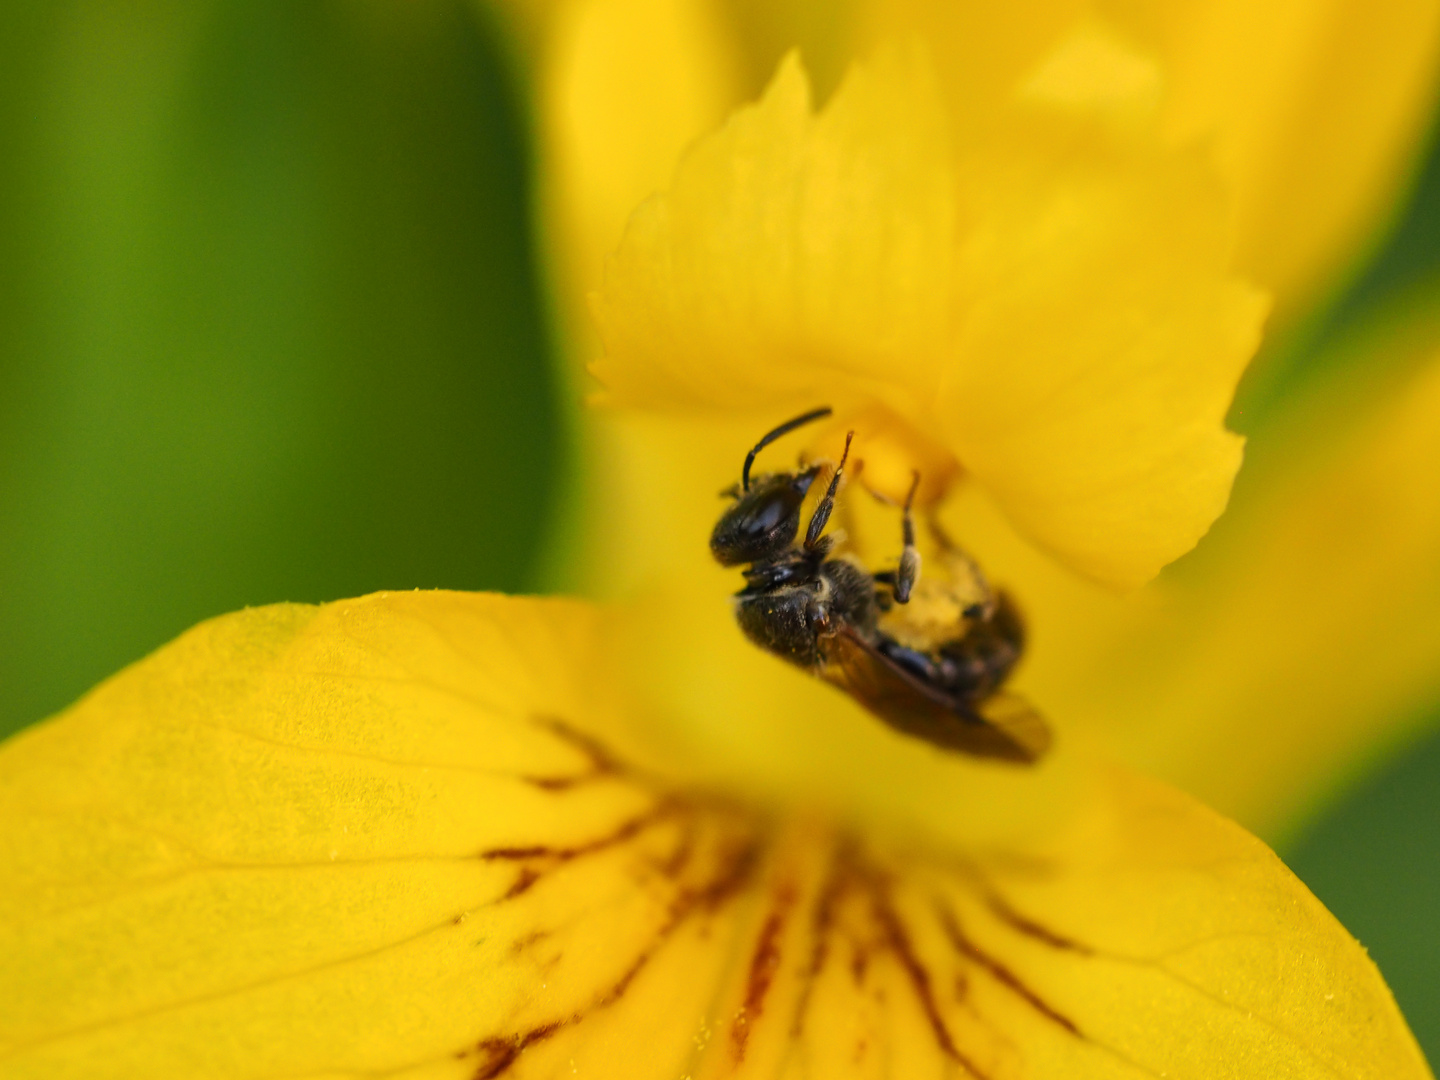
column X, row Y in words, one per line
column 764, row 963
column 1000, row 972
column 898, row 942
column 1032, row 929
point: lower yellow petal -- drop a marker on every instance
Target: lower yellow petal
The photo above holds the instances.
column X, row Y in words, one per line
column 417, row 835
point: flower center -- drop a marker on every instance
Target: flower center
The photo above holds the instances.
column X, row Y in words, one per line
column 887, row 453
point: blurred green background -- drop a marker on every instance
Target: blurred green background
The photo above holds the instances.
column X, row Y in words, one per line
column 271, row 329
column 270, row 322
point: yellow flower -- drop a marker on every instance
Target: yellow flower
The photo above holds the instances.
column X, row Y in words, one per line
column 438, row 834
column 653, row 74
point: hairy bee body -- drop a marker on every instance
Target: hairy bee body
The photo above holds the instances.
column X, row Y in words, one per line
column 789, row 620
column 939, row 679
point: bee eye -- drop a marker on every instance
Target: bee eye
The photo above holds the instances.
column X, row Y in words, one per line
column 758, row 522
column 763, row 523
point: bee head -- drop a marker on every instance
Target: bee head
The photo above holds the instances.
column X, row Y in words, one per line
column 765, row 517
column 763, row 521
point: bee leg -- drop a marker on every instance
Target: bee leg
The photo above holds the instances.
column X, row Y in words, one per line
column 821, row 516
column 909, row 572
column 884, row 599
column 985, row 606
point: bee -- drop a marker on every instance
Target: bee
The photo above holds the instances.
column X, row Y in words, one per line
column 930, row 658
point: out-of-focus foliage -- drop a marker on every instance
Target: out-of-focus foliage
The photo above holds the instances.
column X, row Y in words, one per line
column 268, row 321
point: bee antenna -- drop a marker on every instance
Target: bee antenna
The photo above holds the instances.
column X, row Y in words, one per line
column 827, row 504
column 783, row 429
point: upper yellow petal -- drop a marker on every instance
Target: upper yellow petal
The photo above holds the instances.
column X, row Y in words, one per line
column 1314, row 112
column 1051, row 307
column 1099, row 354
column 421, row 835
column 1309, row 634
column 623, row 87
column 793, row 254
column 1311, row 111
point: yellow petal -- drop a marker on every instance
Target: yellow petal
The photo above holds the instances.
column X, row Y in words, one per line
column 1099, row 355
column 983, row 52
column 1309, row 636
column 1052, row 308
column 791, row 251
column 1311, row 111
column 1314, row 112
column 624, row 86
column 409, row 835
column 1300, row 639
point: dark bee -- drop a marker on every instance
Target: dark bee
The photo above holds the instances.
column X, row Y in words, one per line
column 939, row 677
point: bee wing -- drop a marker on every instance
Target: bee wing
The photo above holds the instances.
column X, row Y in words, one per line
column 1004, row 726
column 1022, row 725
